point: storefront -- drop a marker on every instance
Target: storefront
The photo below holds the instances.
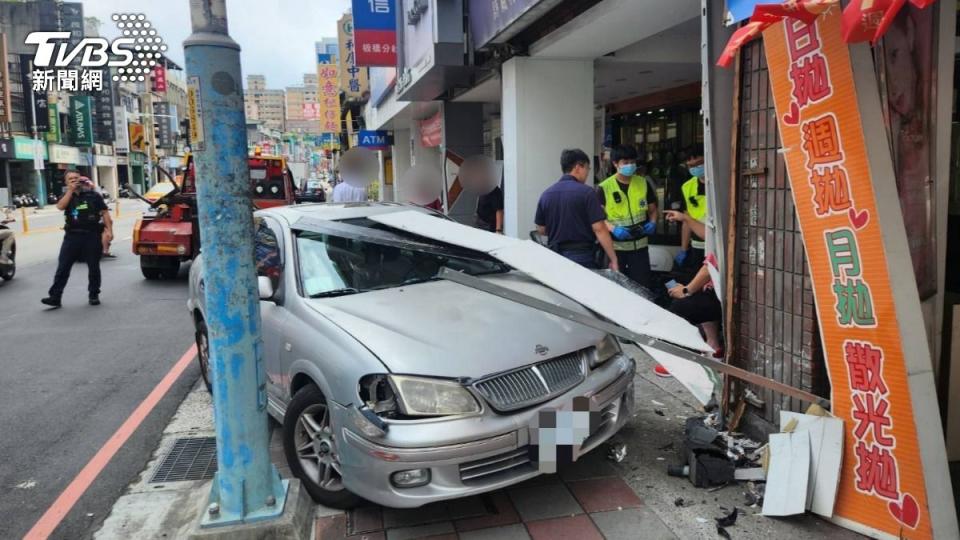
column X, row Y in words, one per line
column 137, row 174
column 106, row 172
column 601, row 73
column 6, row 155
column 62, row 159
column 816, row 296
column 23, row 176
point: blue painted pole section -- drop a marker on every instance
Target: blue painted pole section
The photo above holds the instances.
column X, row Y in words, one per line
column 247, row 487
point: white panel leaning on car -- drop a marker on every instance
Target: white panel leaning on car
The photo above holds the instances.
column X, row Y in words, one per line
column 610, row 300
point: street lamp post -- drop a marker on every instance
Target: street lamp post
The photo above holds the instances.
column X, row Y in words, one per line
column 247, row 486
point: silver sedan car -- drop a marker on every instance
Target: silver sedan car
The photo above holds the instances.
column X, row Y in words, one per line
column 399, row 387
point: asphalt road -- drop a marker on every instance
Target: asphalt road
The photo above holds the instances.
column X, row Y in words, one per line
column 70, row 377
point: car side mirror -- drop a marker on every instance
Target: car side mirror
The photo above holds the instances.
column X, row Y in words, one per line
column 265, row 288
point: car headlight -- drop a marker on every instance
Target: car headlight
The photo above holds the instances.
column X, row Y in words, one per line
column 432, row 397
column 606, row 349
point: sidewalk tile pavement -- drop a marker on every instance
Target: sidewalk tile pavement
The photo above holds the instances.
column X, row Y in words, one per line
column 603, row 494
column 547, row 507
column 565, row 528
column 507, row 532
column 624, row 525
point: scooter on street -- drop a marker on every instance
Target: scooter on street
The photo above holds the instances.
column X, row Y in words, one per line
column 8, row 247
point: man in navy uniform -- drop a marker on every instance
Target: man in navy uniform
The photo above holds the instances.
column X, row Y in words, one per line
column 570, row 216
column 87, row 227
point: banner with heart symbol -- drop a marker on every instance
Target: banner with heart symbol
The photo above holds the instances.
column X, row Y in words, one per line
column 882, row 484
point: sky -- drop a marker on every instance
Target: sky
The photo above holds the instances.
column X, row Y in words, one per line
column 276, row 37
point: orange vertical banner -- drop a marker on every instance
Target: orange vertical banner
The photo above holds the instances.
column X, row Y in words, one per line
column 882, row 486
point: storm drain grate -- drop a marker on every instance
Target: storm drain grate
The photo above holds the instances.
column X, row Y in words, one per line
column 191, row 458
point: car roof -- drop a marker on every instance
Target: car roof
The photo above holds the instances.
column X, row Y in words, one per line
column 338, row 211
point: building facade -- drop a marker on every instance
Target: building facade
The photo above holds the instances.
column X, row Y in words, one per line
column 540, row 76
column 301, row 107
column 263, row 104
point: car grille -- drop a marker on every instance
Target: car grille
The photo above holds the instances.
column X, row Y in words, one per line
column 514, row 461
column 535, row 383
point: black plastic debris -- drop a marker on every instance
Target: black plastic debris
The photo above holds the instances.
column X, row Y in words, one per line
column 699, row 435
column 728, row 519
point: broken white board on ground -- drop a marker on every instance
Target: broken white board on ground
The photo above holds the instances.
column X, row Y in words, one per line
column 788, row 474
column 597, row 293
column 826, row 454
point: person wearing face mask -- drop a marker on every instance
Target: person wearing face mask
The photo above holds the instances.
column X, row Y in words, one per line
column 87, row 227
column 630, row 203
column 693, row 218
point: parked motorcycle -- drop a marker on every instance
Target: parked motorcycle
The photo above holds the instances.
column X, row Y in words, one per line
column 8, row 270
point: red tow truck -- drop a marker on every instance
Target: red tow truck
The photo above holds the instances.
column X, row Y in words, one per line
column 168, row 234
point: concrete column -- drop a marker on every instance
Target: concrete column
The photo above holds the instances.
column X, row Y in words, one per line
column 401, row 159
column 95, row 175
column 547, row 107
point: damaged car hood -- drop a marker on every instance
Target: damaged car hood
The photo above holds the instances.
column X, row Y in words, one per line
column 443, row 329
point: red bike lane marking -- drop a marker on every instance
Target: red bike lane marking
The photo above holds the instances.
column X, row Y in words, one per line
column 47, row 523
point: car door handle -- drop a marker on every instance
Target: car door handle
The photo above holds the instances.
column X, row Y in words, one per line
column 287, row 347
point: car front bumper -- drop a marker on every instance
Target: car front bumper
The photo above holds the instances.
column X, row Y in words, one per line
column 471, row 455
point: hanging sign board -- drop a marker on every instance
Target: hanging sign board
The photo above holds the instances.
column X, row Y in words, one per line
column 375, row 32
column 883, row 488
column 195, row 113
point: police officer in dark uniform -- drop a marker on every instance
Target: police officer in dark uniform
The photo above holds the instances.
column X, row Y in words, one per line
column 570, row 216
column 87, row 228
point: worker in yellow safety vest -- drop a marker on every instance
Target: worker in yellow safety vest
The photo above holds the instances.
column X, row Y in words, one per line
column 630, row 203
column 693, row 218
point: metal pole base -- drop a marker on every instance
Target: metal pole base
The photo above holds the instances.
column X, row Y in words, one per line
column 215, row 516
column 294, row 522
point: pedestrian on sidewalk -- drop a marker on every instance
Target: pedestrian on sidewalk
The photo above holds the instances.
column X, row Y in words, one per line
column 570, row 216
column 87, row 226
column 631, row 206
column 489, row 215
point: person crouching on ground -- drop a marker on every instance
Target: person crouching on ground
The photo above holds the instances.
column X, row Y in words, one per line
column 87, row 227
column 697, row 302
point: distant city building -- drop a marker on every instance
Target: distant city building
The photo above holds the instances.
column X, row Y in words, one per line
column 328, row 45
column 264, row 105
column 302, row 110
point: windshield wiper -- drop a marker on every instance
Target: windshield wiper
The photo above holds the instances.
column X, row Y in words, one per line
column 336, row 292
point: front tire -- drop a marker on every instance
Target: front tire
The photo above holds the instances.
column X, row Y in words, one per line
column 203, row 353
column 7, row 273
column 311, row 449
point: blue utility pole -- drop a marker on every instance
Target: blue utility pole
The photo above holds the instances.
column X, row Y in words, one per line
column 247, row 486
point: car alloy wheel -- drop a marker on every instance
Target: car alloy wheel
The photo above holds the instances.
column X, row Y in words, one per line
column 316, row 448
column 311, row 448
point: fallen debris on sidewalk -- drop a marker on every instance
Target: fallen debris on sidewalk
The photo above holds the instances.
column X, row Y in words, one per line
column 797, row 470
